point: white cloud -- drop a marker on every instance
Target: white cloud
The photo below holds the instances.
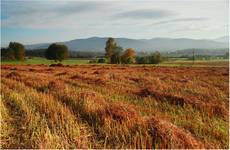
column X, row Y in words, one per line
column 126, row 18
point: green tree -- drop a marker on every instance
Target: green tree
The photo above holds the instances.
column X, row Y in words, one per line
column 57, row 52
column 142, row 60
column 7, row 54
column 128, row 56
column 155, row 58
column 110, row 48
column 16, row 49
column 116, row 55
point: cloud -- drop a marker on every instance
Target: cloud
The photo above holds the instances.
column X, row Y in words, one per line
column 73, row 7
column 179, row 20
column 67, row 19
column 145, row 14
column 20, row 7
column 42, row 14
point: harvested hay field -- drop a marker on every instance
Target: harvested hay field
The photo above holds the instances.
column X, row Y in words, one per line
column 97, row 106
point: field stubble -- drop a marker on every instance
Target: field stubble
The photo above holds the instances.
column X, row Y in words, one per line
column 91, row 106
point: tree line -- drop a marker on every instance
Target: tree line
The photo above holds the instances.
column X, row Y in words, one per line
column 114, row 54
column 16, row 51
column 72, row 54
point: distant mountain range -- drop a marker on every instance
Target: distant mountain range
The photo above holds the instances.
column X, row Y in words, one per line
column 145, row 45
column 224, row 39
column 202, row 52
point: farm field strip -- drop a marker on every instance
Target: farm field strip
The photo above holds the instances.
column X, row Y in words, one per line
column 114, row 115
column 40, row 108
column 178, row 100
column 122, row 107
column 152, row 91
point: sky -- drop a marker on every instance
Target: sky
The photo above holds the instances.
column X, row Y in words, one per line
column 44, row 21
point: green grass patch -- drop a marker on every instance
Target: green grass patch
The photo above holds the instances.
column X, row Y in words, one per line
column 175, row 62
column 39, row 60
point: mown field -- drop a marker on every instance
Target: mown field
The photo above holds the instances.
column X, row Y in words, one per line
column 114, row 106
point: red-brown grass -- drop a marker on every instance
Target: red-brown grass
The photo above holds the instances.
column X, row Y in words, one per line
column 213, row 109
column 13, row 75
column 119, row 112
column 127, row 106
column 172, row 136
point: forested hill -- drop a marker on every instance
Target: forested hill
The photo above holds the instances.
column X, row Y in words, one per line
column 160, row 44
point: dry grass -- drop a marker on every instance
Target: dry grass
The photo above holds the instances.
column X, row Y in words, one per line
column 91, row 106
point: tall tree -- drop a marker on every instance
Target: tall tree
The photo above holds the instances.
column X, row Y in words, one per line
column 57, row 52
column 116, row 55
column 110, row 48
column 129, row 56
column 16, row 49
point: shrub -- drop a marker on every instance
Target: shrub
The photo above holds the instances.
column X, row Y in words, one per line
column 155, row 58
column 101, row 60
column 93, row 61
column 142, row 60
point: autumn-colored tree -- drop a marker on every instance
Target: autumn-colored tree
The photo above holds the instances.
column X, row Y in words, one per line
column 110, row 48
column 129, row 56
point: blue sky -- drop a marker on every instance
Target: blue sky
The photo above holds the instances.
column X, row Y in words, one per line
column 41, row 21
